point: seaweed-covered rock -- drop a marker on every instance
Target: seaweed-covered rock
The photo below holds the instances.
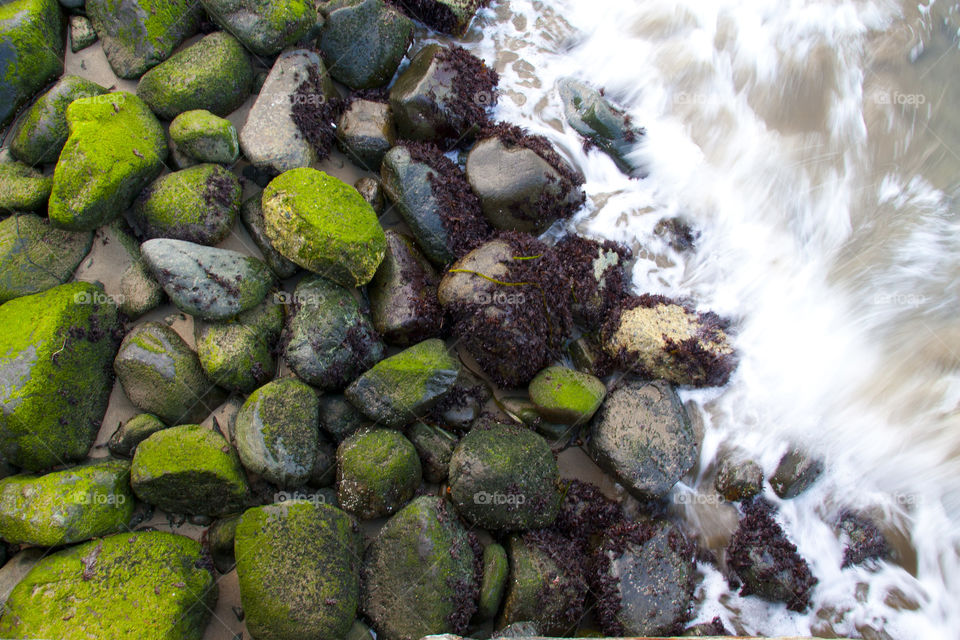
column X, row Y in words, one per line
column 540, row 187
column 251, row 213
column 365, row 133
column 419, row 573
column 435, row 447
column 55, row 379
column 443, row 95
column 161, row 375
column 659, row 338
column 66, row 506
column 463, row 403
column 378, row 472
column 643, row 438
column 82, row 33
column 205, row 137
column 35, row 257
column 277, row 431
column 22, row 188
column 504, row 477
column 404, row 386
column 213, row 73
column 588, row 356
column 31, row 53
column 189, row 469
column 114, row 149
column 367, row 40
column 566, row 396
column 146, row 585
column 372, row 191
column 339, row 418
column 496, row 569
column 328, row 341
column 129, row 434
column 239, row 353
column 298, row 567
column 446, row 16
column 796, row 471
column 862, row 540
column 199, row 204
column 140, row 34
column 38, row 136
column 435, row 200
column 596, row 275
column 263, row 26
column 324, row 225
column 211, row 283
column 738, row 478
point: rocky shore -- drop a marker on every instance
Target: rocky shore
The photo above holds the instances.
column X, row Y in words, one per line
column 396, row 364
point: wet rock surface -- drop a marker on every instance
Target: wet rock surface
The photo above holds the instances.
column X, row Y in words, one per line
column 34, row 256
column 378, row 472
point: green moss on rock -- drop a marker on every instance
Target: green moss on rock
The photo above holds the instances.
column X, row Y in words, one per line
column 134, row 431
column 31, row 51
column 378, row 472
column 566, row 396
column 205, row 137
column 35, row 257
column 239, row 353
column 264, row 26
column 23, row 188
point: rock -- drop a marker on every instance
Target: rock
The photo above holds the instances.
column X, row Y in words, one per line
column 644, row 577
column 277, row 430
column 365, row 131
column 446, row 16
column 115, row 148
column 213, row 74
column 204, row 137
column 795, row 473
column 403, row 294
column 161, row 375
column 199, row 204
column 404, row 386
column 418, row 573
column 378, row 472
column 339, row 418
column 139, row 292
column 189, row 469
column 31, row 53
column 328, row 342
column 598, row 280
column 211, row 283
column 524, row 629
column 435, row 448
column 495, row 572
column 66, row 506
column 767, row 562
column 323, row 225
column 129, row 434
column 263, row 26
column 146, row 585
column 220, row 537
column 82, row 33
column 566, row 396
column 35, row 257
column 140, row 34
column 658, row 338
column 443, row 95
column 367, row 39
column 677, row 233
column 588, row 356
column 239, row 354
column 505, row 478
column 737, row 478
column 372, row 191
column 540, row 188
column 862, row 540
column 270, row 138
column 251, row 212
column 39, row 135
column 324, row 471
column 22, row 188
column 434, row 199
column 298, row 565
column 55, row 379
column 14, row 569
column 643, row 438
column 602, row 124
column 463, row 404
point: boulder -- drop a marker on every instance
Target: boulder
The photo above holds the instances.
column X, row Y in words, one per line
column 378, row 472
column 435, row 447
column 339, row 418
column 23, row 188
column 251, row 213
column 31, row 52
column 34, row 256
column 263, row 26
column 796, row 471
column 367, row 39
column 496, row 570
column 365, row 133
column 566, row 396
column 129, row 434
column 738, row 478
column 446, row 16
column 82, row 33
column 205, row 137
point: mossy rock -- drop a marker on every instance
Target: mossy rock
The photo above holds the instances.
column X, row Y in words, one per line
column 339, row 418
column 299, row 570
column 405, row 386
column 31, row 52
column 115, row 148
column 263, row 26
column 213, row 73
column 129, row 434
column 737, row 477
column 496, row 570
column 324, row 225
column 365, row 133
column 566, row 396
column 435, row 447
column 55, row 377
column 23, row 188
column 220, row 538
column 328, row 342
column 367, row 39
column 146, row 585
column 161, row 375
column 66, row 506
column 82, row 33
column 139, row 34
column 795, row 472
column 189, row 469
column 418, row 573
column 504, row 478
column 251, row 213
column 446, row 16
column 38, row 136
column 378, row 472
column 205, row 137
column 199, row 204
column 239, row 353
column 35, row 257
column 277, row 431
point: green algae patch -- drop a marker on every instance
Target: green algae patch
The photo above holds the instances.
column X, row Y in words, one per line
column 31, row 51
column 378, row 472
column 324, row 225
column 240, row 353
column 35, row 257
column 23, row 188
column 134, row 431
column 131, row 586
column 205, row 137
column 115, row 148
column 264, row 26
column 566, row 396
column 56, row 348
column 66, row 506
